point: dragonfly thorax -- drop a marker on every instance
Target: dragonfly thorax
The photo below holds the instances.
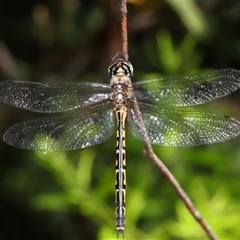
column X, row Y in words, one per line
column 121, row 90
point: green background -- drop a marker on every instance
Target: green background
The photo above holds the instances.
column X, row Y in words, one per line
column 70, row 195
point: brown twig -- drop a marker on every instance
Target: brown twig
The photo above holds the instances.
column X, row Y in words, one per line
column 149, row 153
column 123, row 10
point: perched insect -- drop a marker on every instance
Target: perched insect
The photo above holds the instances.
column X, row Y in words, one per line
column 88, row 111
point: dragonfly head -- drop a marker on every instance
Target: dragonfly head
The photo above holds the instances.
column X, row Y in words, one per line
column 122, row 67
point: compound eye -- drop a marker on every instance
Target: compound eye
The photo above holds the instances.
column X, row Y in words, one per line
column 129, row 68
column 112, row 69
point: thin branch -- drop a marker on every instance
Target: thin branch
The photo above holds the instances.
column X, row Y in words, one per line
column 188, row 203
column 123, row 11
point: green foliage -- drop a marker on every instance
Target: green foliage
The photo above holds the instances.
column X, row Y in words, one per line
column 182, row 59
column 191, row 16
column 81, row 183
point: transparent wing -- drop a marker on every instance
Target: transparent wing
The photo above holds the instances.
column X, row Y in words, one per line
column 55, row 97
column 67, row 132
column 188, row 90
column 176, row 128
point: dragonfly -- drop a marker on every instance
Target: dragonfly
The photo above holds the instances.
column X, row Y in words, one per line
column 88, row 113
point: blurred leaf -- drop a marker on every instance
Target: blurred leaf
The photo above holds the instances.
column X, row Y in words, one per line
column 191, row 16
column 52, row 201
